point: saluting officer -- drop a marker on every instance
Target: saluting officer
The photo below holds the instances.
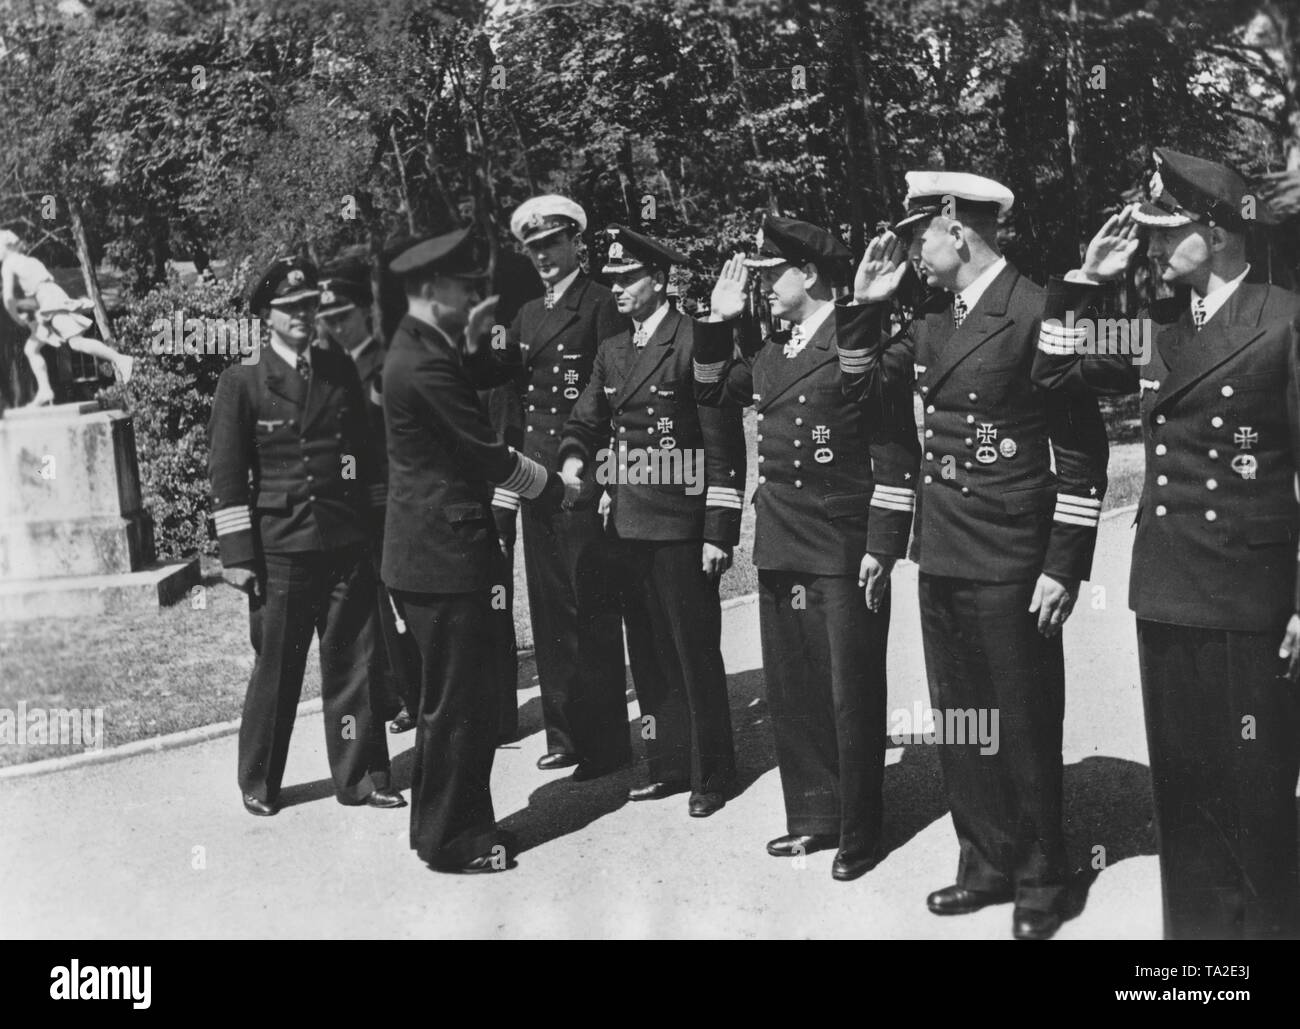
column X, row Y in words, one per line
column 1004, row 541
column 825, row 521
column 294, row 485
column 674, row 534
column 577, row 630
column 344, row 318
column 441, row 552
column 1213, row 582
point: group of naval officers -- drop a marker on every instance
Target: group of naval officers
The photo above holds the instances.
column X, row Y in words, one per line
column 364, row 492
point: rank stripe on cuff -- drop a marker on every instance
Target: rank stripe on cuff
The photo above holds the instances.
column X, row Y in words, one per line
column 1053, row 339
column 892, row 505
column 710, row 372
column 378, row 495
column 853, row 360
column 505, row 498
column 528, row 479
column 1077, row 510
column 232, row 519
column 724, row 496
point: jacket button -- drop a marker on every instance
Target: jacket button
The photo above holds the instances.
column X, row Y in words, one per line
column 553, row 411
column 965, row 491
column 550, row 432
column 1162, row 480
column 798, row 443
column 1217, row 422
column 654, row 389
column 531, row 387
column 555, row 389
column 1214, row 455
column 311, row 478
column 929, row 455
column 759, row 417
column 798, row 464
column 556, row 369
column 1160, row 419
column 1161, row 450
column 622, row 428
column 759, row 437
column 532, row 407
column 798, row 421
column 1161, row 510
column 925, row 389
column 929, row 433
column 650, row 429
column 559, row 347
column 803, row 399
column 1210, row 516
column 761, row 458
column 1226, row 391
column 1211, row 483
column 649, row 410
column 969, row 442
column 762, row 479
column 929, row 479
column 969, row 466
column 798, row 484
column 974, row 396
column 312, row 497
column 930, row 409
column 970, row 419
column 530, row 428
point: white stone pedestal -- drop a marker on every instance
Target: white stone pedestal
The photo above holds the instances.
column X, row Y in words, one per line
column 74, row 536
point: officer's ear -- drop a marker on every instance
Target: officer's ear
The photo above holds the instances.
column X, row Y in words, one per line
column 811, row 276
column 1218, row 239
column 661, row 280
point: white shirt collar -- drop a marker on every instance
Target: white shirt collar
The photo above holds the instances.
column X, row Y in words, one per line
column 651, row 323
column 356, row 351
column 1216, row 298
column 287, row 353
column 971, row 294
column 559, row 288
column 814, row 321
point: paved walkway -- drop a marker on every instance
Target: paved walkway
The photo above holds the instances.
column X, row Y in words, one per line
column 158, row 845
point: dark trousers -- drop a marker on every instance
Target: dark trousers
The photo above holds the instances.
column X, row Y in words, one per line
column 983, row 653
column 1223, row 733
column 674, row 632
column 452, row 819
column 824, row 662
column 578, row 634
column 399, row 682
column 332, row 593
column 505, row 650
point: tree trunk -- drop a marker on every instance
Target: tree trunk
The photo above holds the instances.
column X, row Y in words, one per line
column 867, row 109
column 88, row 273
column 1076, row 177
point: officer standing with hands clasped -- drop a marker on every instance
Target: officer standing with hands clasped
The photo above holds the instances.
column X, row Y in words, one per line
column 674, row 531
column 577, row 630
column 824, row 520
column 441, row 552
column 1213, row 582
column 294, row 500
column 1004, row 537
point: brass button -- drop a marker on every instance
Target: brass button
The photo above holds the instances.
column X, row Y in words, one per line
column 969, row 442
column 798, row 443
column 929, row 455
column 929, row 479
column 1162, row 480
column 930, row 409
column 798, row 464
column 759, row 417
column 798, row 421
column 1211, row 483
column 929, row 433
column 970, row 419
column 802, row 399
column 1214, row 455
column 798, row 484
column 1226, row 391
column 762, row 479
column 969, row 466
column 1160, row 419
column 1210, row 516
column 1161, row 510
column 1217, row 422
column 974, row 397
column 649, row 410
column 1161, row 450
column 965, row 491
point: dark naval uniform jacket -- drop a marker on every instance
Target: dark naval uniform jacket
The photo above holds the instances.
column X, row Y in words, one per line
column 644, row 400
column 292, row 463
column 821, row 505
column 991, row 507
column 1217, row 522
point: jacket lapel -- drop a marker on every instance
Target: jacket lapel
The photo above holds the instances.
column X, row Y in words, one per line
column 324, row 384
column 644, row 363
column 556, row 320
column 282, row 380
column 987, row 320
column 1192, row 355
column 786, row 372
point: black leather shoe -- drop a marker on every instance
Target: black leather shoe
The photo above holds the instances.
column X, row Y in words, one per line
column 657, row 790
column 796, row 845
column 850, row 866
column 403, row 721
column 955, row 900
column 1028, row 924
column 704, row 804
column 259, row 807
column 484, row 863
column 550, row 762
column 588, row 770
column 385, row 798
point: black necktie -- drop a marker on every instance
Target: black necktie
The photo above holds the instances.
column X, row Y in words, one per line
column 304, row 367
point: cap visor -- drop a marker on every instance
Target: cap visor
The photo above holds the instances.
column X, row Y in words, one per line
column 290, row 298
column 908, row 220
column 537, row 237
column 335, row 309
column 615, row 269
column 1150, row 214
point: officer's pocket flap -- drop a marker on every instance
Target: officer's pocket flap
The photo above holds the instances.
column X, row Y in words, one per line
column 1262, row 531
column 1025, row 501
column 458, row 513
column 847, row 505
column 268, row 501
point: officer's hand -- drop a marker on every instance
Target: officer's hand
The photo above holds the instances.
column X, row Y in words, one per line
column 1053, row 601
column 481, row 319
column 572, row 487
column 1290, row 649
column 873, row 576
column 881, row 270
column 1113, row 247
column 244, row 579
column 715, row 561
column 728, row 298
column 602, row 509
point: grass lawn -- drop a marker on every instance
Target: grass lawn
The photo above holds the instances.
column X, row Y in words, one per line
column 185, row 667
